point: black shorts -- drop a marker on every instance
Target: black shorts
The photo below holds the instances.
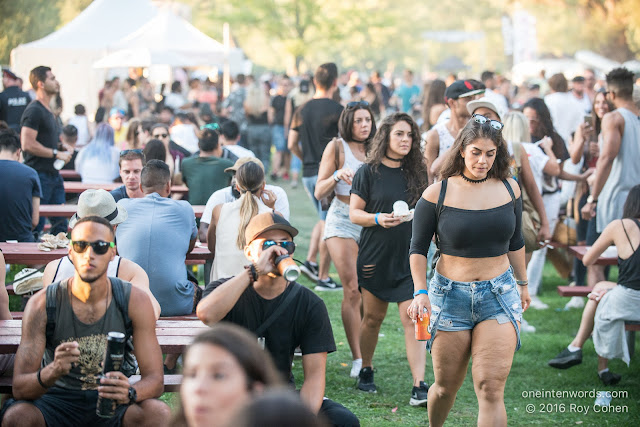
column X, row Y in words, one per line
column 62, row 407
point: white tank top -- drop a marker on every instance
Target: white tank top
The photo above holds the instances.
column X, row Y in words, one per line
column 350, row 161
column 66, row 269
column 445, row 137
column 229, row 261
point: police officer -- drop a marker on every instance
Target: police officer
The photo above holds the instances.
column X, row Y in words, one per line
column 13, row 100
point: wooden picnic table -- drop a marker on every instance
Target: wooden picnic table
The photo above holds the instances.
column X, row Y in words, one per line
column 29, row 254
column 69, row 174
column 68, row 210
column 580, row 251
column 79, row 187
column 173, row 335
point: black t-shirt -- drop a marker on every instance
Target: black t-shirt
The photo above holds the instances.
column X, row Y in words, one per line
column 305, row 323
column 13, row 102
column 72, row 163
column 18, row 184
column 278, row 103
column 36, row 116
column 119, row 193
column 383, row 253
column 316, row 123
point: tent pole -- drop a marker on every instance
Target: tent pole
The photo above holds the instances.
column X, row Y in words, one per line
column 226, row 77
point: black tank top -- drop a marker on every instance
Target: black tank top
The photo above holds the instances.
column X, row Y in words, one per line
column 629, row 269
column 92, row 338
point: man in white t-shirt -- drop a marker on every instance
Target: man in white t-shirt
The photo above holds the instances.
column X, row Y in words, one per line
column 229, row 137
column 566, row 111
column 229, row 194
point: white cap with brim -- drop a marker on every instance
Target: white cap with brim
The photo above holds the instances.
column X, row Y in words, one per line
column 99, row 203
column 483, row 102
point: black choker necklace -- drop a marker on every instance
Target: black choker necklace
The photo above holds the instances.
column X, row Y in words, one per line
column 474, row 181
column 392, row 159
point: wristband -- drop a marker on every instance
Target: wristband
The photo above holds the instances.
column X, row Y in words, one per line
column 40, row 380
column 522, row 282
column 253, row 273
column 420, row 292
column 376, row 218
column 335, row 176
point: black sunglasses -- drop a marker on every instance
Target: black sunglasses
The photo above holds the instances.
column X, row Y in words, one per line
column 287, row 244
column 357, row 103
column 99, row 246
column 136, row 150
column 163, row 135
column 493, row 123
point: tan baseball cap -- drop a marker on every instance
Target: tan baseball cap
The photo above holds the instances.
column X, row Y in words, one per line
column 241, row 161
column 266, row 222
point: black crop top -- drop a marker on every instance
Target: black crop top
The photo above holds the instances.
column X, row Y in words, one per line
column 468, row 233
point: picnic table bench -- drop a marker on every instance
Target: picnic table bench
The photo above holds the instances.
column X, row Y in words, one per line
column 69, row 174
column 79, row 187
column 17, row 315
column 580, row 251
column 68, row 210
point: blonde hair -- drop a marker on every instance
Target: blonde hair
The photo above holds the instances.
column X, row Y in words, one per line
column 516, row 127
column 249, row 180
column 257, row 101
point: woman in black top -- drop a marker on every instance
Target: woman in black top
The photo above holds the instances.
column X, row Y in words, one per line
column 472, row 299
column 393, row 171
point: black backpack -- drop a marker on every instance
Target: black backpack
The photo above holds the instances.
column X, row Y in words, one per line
column 130, row 364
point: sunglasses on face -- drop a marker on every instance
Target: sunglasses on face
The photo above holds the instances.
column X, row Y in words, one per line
column 357, row 103
column 287, row 244
column 100, row 247
column 161, row 135
column 482, row 120
column 125, row 152
column 210, row 126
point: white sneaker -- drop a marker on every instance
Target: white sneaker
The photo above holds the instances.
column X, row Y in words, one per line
column 526, row 327
column 356, row 365
column 537, row 304
column 575, row 302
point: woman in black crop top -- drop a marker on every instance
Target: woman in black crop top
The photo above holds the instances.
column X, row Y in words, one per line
column 474, row 303
column 610, row 304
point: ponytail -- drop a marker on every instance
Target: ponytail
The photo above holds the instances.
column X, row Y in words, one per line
column 249, row 180
column 248, row 209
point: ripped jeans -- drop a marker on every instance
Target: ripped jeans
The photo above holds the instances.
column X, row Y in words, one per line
column 459, row 306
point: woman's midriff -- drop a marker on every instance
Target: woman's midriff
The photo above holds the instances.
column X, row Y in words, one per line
column 344, row 199
column 472, row 269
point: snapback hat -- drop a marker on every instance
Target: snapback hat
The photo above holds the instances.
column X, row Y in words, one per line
column 266, row 222
column 99, row 203
column 241, row 161
column 486, row 103
column 461, row 89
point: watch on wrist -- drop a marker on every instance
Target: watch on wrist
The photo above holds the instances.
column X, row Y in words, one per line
column 55, row 153
column 590, row 199
column 133, row 395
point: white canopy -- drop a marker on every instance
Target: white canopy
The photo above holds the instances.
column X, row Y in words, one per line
column 143, row 57
column 72, row 50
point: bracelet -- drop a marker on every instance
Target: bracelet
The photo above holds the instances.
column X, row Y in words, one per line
column 522, row 282
column 376, row 218
column 335, row 176
column 420, row 292
column 40, row 380
column 253, row 273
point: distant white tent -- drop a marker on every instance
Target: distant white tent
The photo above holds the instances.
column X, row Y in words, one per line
column 143, row 57
column 72, row 50
column 167, row 32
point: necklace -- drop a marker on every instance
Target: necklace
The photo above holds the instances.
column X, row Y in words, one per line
column 392, row 159
column 474, row 181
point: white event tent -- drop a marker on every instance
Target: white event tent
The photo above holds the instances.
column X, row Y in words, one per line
column 72, row 50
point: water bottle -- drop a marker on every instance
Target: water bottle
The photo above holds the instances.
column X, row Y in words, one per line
column 113, row 358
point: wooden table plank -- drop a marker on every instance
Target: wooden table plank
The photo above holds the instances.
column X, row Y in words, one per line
column 580, row 251
column 69, row 174
column 79, row 187
column 68, row 210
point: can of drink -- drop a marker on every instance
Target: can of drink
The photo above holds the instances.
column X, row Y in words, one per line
column 287, row 268
column 113, row 358
column 422, row 327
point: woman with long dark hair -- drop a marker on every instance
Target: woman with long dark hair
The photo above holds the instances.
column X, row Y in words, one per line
column 341, row 159
column 478, row 292
column 224, row 368
column 610, row 304
column 393, row 175
column 433, row 104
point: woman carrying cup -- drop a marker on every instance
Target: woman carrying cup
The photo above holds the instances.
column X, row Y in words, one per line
column 393, row 172
column 356, row 127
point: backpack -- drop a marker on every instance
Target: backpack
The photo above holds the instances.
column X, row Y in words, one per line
column 530, row 219
column 130, row 364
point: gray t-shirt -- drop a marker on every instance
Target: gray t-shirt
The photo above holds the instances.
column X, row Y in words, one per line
column 156, row 236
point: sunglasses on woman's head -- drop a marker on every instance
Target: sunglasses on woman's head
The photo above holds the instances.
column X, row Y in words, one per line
column 357, row 103
column 482, row 120
column 287, row 244
column 99, row 246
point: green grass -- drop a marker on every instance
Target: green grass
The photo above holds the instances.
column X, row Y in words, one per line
column 530, row 373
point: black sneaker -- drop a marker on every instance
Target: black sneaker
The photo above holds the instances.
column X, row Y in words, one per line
column 310, row 269
column 328, row 285
column 419, row 395
column 365, row 380
column 566, row 359
column 609, row 378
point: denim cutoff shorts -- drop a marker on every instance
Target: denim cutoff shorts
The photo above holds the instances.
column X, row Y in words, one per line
column 338, row 223
column 460, row 306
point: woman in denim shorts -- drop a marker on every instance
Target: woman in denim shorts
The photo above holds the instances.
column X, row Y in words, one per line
column 356, row 127
column 474, row 301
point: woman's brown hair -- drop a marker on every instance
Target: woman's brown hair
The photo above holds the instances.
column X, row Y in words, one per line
column 412, row 164
column 453, row 163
